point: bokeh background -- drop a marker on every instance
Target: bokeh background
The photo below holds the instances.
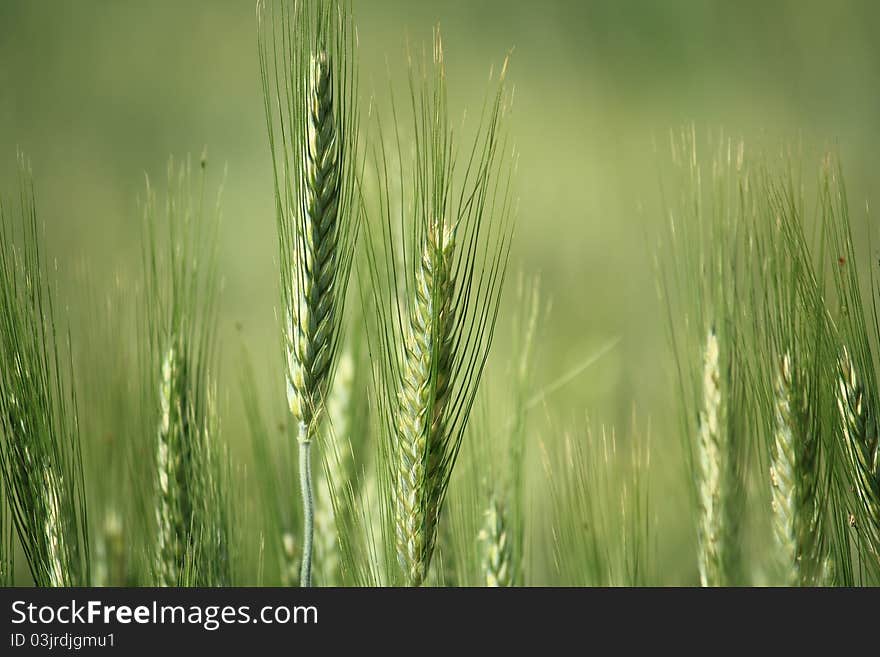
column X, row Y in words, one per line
column 98, row 93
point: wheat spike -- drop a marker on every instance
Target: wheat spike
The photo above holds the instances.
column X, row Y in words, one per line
column 312, row 315
column 714, row 531
column 339, row 472
column 58, row 575
column 174, row 471
column 312, row 320
column 423, row 397
column 497, row 561
column 860, row 433
column 794, row 481
column 436, row 303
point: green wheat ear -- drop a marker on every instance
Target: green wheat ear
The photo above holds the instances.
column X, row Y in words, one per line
column 495, row 539
column 308, row 75
column 40, row 456
column 7, row 544
column 193, row 528
column 713, row 448
column 794, row 481
column 436, row 272
column 854, row 382
column 423, row 397
column 860, row 434
column 706, row 284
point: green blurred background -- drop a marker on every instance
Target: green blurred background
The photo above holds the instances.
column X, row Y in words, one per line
column 97, row 93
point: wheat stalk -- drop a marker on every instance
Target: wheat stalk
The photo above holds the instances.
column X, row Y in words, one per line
column 860, row 433
column 497, row 561
column 174, row 473
column 423, row 398
column 794, row 481
column 306, row 68
column 311, row 317
column 110, row 567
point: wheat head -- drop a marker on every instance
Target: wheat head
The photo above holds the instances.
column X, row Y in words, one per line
column 40, row 447
column 312, row 320
column 860, row 433
column 794, row 481
column 497, row 557
column 423, row 398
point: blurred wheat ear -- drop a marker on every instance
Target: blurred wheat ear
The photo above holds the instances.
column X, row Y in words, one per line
column 495, row 539
column 193, row 524
column 794, row 476
column 40, row 454
column 856, row 385
column 706, row 282
column 307, row 52
column 7, row 543
column 436, row 272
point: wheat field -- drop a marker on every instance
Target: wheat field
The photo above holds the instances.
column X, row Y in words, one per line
column 385, row 293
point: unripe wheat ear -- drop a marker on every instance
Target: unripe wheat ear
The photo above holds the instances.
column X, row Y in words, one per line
column 436, row 274
column 309, row 88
